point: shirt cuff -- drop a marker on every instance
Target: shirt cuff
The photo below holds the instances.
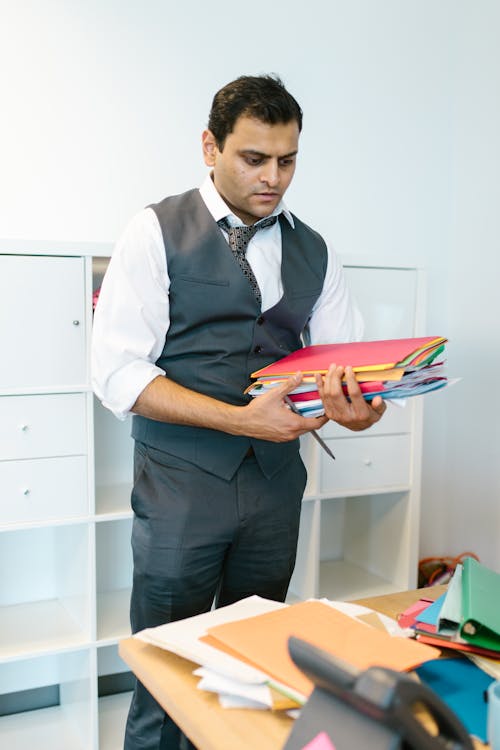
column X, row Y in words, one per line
column 123, row 387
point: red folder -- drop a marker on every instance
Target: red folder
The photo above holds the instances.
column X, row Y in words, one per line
column 371, row 387
column 441, row 642
column 360, row 355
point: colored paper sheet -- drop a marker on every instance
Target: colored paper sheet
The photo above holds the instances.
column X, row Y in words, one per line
column 320, row 742
column 262, row 642
column 360, row 355
column 416, row 389
column 430, row 615
column 395, row 373
column 305, row 396
column 461, row 685
column 407, row 618
column 424, row 357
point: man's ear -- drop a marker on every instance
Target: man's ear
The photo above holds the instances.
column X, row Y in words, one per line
column 209, row 146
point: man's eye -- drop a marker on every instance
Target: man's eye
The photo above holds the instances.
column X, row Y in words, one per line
column 286, row 162
column 254, row 161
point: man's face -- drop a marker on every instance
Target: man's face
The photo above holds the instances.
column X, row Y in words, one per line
column 255, row 167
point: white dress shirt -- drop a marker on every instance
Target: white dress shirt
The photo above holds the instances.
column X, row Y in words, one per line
column 132, row 315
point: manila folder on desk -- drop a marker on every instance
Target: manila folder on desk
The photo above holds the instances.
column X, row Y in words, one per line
column 263, row 642
column 480, row 605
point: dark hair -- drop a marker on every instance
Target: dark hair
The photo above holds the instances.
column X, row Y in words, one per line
column 263, row 97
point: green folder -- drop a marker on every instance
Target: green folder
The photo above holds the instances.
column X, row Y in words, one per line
column 480, row 623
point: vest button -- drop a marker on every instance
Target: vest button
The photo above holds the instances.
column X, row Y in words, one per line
column 260, row 320
column 257, row 350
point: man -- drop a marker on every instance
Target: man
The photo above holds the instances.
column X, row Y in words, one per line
column 183, row 318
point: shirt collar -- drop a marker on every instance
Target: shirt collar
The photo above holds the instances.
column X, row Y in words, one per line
column 219, row 209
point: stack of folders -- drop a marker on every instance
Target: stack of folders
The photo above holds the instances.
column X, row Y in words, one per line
column 393, row 369
column 243, row 648
column 465, row 618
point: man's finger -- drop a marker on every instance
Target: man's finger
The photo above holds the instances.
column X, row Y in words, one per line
column 353, row 388
column 289, row 385
column 333, row 380
column 379, row 405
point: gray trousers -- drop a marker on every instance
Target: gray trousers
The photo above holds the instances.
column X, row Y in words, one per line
column 199, row 539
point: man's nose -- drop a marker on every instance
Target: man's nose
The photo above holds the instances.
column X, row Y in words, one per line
column 270, row 173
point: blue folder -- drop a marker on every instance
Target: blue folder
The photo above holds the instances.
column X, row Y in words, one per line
column 462, row 686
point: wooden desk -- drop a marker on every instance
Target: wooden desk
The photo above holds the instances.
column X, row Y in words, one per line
column 169, row 678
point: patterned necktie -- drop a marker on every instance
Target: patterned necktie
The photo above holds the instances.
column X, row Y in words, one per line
column 239, row 237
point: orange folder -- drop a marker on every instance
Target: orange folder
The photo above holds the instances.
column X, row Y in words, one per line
column 360, row 355
column 262, row 641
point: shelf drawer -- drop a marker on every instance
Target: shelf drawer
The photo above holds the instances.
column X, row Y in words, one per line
column 396, row 420
column 43, row 489
column 366, row 463
column 42, row 426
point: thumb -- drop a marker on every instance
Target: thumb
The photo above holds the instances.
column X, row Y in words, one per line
column 289, row 385
column 379, row 405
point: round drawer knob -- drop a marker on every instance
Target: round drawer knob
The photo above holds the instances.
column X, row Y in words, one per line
column 367, row 461
column 76, row 322
column 26, row 491
column 25, row 427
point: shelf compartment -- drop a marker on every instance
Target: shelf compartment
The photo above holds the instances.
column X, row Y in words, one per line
column 114, row 447
column 113, row 711
column 305, row 581
column 340, row 580
column 113, row 618
column 114, row 578
column 27, row 629
column 390, row 312
column 356, row 547
column 66, row 725
column 45, row 598
column 114, row 463
column 113, row 501
column 113, row 708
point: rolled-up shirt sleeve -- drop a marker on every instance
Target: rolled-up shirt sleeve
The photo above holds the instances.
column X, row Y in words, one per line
column 336, row 317
column 131, row 317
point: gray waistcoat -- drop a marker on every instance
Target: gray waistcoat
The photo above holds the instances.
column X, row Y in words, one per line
column 218, row 336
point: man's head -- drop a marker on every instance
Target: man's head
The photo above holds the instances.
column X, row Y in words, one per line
column 251, row 143
column 262, row 98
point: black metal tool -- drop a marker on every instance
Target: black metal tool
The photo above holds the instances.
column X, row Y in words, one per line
column 371, row 710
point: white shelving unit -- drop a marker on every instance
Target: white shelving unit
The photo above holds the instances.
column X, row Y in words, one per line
column 360, row 515
column 65, row 518
column 65, row 474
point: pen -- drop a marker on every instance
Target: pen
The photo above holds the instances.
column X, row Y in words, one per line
column 313, row 432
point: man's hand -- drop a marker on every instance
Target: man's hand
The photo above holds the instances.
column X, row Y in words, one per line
column 268, row 417
column 354, row 412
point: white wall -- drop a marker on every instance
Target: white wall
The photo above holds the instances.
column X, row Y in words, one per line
column 466, row 499
column 103, row 103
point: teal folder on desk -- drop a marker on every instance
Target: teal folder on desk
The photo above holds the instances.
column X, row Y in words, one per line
column 480, row 624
